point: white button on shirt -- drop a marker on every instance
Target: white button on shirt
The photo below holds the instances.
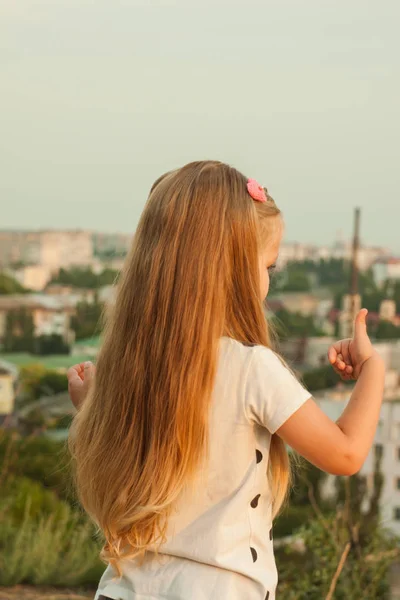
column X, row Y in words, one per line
column 219, row 543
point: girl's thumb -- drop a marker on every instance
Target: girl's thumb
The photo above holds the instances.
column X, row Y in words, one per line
column 360, row 325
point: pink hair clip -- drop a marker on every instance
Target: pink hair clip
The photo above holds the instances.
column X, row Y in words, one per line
column 256, row 190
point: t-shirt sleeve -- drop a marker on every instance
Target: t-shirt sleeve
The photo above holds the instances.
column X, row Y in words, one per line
column 272, row 394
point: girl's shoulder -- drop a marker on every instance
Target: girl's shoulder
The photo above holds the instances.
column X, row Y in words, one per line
column 250, row 354
column 271, row 391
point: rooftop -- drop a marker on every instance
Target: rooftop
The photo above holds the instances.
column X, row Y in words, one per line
column 43, row 301
column 387, row 260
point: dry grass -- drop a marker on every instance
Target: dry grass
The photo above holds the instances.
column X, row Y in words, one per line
column 20, row 592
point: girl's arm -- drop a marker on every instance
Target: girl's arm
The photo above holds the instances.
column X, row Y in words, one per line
column 341, row 448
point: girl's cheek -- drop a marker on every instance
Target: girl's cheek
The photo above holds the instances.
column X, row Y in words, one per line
column 265, row 285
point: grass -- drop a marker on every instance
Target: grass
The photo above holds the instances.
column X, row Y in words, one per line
column 61, row 361
column 93, row 342
column 45, row 538
column 20, row 592
column 58, row 550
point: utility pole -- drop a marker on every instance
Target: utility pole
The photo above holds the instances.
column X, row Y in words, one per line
column 354, row 266
column 352, row 300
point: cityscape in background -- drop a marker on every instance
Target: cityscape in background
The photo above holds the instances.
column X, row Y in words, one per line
column 98, row 101
column 55, row 285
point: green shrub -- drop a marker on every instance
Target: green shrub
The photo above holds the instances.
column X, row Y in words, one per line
column 292, row 518
column 37, row 381
column 23, row 498
column 38, row 458
column 365, row 573
column 46, row 345
column 321, row 378
column 53, row 382
column 63, row 422
column 44, row 538
column 57, row 550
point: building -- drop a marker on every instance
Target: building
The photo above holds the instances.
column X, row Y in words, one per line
column 7, row 391
column 297, row 252
column 107, row 295
column 50, row 249
column 31, row 277
column 8, row 385
column 98, row 265
column 71, row 296
column 386, row 445
column 51, row 315
column 109, row 245
column 386, row 268
column 311, row 352
column 368, row 255
column 387, row 311
column 305, row 303
column 387, row 438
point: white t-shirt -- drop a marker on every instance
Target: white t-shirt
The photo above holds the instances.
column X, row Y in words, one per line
column 219, row 544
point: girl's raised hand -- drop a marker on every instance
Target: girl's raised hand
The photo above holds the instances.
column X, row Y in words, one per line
column 348, row 356
column 341, row 448
column 79, row 378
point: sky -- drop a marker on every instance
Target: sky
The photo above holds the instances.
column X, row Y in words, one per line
column 98, row 98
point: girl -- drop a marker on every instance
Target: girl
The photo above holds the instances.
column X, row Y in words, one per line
column 179, row 444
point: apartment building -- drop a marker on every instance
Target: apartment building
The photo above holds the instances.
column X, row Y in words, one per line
column 49, row 249
column 386, row 446
column 386, row 268
column 8, row 378
column 111, row 244
column 31, row 277
column 297, row 252
column 51, row 314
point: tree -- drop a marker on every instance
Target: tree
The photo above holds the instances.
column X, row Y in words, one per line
column 38, row 458
column 346, row 552
column 307, row 480
column 87, row 320
column 296, row 281
column 51, row 344
column 334, row 561
column 290, row 324
column 37, row 381
column 32, row 423
column 62, row 423
column 372, row 296
column 19, row 331
column 334, row 274
column 85, row 278
column 29, row 377
column 9, row 285
column 52, row 382
column 328, row 272
column 387, row 331
column 333, row 271
column 321, row 378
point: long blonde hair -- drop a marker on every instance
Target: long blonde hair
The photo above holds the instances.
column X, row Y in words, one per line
column 192, row 276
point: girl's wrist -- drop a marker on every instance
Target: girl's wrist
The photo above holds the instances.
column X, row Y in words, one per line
column 374, row 360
